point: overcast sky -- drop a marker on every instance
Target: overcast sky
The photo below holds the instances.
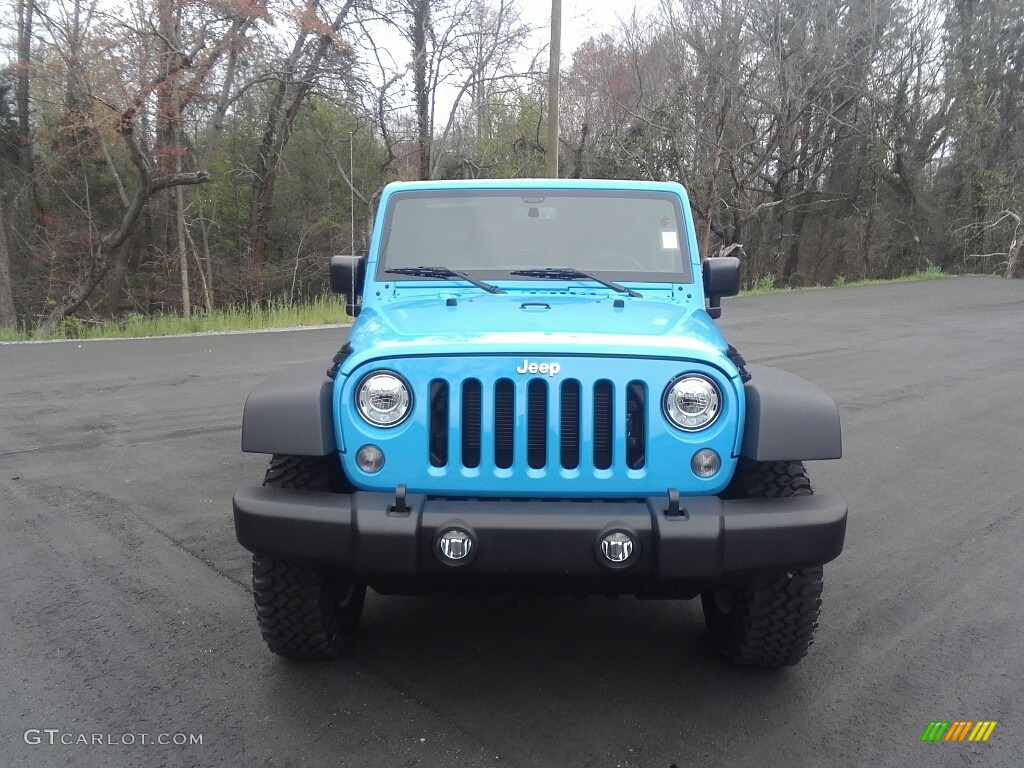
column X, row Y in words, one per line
column 581, row 19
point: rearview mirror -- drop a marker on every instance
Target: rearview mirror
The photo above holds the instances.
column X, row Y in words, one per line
column 348, row 273
column 721, row 278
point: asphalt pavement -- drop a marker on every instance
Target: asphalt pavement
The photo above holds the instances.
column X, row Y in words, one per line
column 125, row 604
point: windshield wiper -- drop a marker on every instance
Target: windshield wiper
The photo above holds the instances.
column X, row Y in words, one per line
column 443, row 273
column 565, row 273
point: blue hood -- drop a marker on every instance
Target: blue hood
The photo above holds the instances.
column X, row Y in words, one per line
column 537, row 322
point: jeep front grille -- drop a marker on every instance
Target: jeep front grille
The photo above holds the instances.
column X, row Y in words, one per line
column 550, row 431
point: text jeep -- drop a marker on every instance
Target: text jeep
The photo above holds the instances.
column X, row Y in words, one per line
column 535, row 396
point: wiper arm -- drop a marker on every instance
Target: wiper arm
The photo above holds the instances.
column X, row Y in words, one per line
column 565, row 273
column 443, row 273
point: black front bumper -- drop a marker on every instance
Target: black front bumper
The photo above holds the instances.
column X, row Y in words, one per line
column 707, row 540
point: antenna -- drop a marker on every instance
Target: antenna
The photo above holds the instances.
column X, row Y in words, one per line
column 351, row 198
column 352, row 218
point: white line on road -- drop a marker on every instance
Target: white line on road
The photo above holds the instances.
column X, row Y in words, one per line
column 185, row 335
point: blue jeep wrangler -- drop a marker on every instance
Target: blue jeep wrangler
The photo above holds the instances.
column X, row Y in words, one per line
column 535, row 396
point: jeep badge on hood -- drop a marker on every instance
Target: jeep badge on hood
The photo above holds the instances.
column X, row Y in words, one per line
column 551, row 369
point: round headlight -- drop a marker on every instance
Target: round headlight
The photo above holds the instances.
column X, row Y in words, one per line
column 383, row 399
column 692, row 402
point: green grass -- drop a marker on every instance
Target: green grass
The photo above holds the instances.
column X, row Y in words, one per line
column 767, row 283
column 322, row 311
column 932, row 273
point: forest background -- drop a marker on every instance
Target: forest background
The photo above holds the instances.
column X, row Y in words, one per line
column 172, row 156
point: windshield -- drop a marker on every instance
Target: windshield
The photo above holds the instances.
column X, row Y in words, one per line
column 622, row 235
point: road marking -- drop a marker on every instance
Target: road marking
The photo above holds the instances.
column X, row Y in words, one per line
column 185, row 335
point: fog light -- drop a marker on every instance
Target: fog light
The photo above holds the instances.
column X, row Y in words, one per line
column 454, row 545
column 617, row 547
column 705, row 463
column 370, row 459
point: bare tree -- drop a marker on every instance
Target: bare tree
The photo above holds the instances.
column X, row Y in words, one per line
column 315, row 42
column 1015, row 253
column 8, row 312
column 420, row 23
column 191, row 69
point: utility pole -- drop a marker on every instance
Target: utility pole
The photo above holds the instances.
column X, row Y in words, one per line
column 556, row 52
column 351, row 198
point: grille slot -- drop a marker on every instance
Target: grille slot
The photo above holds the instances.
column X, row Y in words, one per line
column 504, row 423
column 438, row 423
column 569, row 425
column 471, row 418
column 537, row 424
column 636, row 425
column 604, row 428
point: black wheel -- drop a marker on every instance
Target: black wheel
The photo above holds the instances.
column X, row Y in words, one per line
column 304, row 611
column 766, row 620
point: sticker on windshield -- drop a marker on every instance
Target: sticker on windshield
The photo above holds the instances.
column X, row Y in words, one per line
column 670, row 240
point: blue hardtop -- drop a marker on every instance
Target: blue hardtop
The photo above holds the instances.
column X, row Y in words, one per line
column 583, row 186
column 536, row 183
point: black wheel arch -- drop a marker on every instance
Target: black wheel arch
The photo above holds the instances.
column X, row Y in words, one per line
column 788, row 418
column 291, row 413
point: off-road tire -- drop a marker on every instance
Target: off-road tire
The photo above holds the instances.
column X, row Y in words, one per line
column 305, row 612
column 307, row 473
column 769, row 480
column 766, row 620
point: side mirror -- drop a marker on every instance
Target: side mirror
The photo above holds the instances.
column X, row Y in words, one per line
column 721, row 278
column 348, row 273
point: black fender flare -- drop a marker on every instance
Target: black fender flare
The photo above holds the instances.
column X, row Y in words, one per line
column 291, row 413
column 788, row 419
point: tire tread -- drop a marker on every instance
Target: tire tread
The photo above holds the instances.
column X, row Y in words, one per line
column 297, row 605
column 773, row 616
